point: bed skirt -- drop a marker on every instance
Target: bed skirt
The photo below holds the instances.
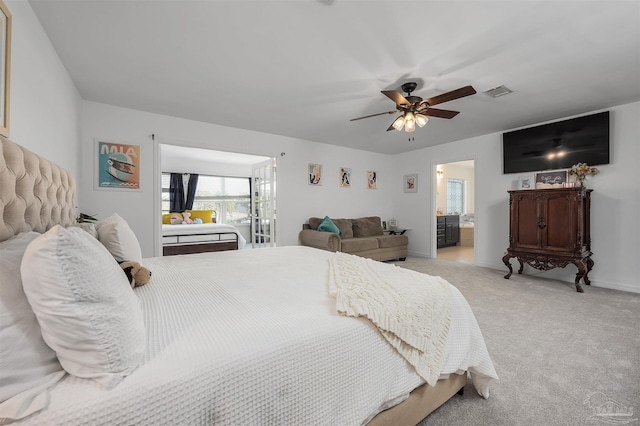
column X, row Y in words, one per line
column 421, row 402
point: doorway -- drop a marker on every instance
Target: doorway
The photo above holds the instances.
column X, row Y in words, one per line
column 455, row 211
column 218, row 164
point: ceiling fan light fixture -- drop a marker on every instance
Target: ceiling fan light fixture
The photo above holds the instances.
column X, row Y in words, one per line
column 409, row 122
column 399, row 123
column 421, row 120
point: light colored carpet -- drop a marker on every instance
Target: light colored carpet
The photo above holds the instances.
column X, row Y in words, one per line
column 552, row 348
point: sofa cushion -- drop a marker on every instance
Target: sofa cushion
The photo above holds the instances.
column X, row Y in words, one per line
column 386, row 241
column 327, row 225
column 367, row 226
column 354, row 245
column 344, row 225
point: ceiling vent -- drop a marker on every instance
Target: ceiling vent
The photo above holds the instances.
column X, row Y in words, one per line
column 498, row 91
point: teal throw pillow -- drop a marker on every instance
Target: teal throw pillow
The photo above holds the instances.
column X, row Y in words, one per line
column 327, row 225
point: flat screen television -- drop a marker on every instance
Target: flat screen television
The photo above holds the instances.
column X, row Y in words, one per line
column 557, row 145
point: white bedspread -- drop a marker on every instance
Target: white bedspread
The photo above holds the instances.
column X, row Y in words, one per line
column 198, row 233
column 252, row 337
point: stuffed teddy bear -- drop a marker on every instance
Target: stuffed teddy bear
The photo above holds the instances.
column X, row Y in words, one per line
column 186, row 218
column 175, row 219
column 136, row 273
column 197, row 221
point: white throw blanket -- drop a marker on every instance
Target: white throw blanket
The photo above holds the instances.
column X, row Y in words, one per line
column 411, row 310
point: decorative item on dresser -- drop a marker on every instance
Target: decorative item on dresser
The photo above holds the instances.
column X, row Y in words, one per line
column 550, row 228
column 581, row 171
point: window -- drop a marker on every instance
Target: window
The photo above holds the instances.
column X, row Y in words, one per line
column 455, row 196
column 228, row 197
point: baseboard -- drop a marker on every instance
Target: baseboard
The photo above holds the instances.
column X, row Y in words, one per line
column 419, row 254
column 594, row 283
column 615, row 286
column 493, row 266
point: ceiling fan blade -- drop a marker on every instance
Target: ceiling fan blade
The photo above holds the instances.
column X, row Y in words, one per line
column 450, row 96
column 440, row 113
column 391, row 126
column 396, row 97
column 374, row 115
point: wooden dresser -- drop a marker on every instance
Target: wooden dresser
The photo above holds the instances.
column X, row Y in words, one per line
column 550, row 228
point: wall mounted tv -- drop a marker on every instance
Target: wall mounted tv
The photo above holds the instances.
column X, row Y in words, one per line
column 557, row 145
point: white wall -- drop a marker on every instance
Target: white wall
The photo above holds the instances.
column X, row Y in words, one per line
column 615, row 227
column 45, row 106
column 296, row 200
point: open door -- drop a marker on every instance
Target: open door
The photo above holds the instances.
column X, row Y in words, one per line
column 263, row 202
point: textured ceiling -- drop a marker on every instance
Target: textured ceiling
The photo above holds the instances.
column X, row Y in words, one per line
column 303, row 68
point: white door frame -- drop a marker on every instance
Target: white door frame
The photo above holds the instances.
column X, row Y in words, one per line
column 263, row 204
column 434, row 203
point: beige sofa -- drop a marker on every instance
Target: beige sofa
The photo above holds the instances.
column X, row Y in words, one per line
column 363, row 237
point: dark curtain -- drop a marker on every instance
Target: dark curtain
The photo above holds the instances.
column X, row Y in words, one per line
column 191, row 191
column 176, row 193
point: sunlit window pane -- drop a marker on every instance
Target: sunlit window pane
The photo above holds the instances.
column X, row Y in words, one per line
column 455, row 196
column 228, row 197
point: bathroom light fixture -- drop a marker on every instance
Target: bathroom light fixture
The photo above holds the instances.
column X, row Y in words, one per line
column 408, row 121
column 439, row 173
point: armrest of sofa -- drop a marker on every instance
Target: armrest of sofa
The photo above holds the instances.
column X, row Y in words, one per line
column 322, row 240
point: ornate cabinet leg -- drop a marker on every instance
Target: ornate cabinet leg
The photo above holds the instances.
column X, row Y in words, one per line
column 582, row 271
column 589, row 267
column 521, row 266
column 505, row 260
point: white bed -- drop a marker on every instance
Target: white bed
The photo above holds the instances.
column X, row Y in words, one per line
column 198, row 238
column 253, row 337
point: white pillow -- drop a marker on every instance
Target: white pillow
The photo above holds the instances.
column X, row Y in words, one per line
column 116, row 235
column 28, row 367
column 86, row 308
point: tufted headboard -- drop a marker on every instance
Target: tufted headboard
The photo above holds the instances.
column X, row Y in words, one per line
column 35, row 194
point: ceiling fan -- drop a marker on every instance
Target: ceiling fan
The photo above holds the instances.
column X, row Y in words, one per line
column 415, row 110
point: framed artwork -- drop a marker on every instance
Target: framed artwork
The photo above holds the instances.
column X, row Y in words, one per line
column 384, row 225
column 392, row 224
column 345, row 177
column 315, row 174
column 525, row 182
column 117, row 166
column 548, row 180
column 410, row 183
column 371, row 179
column 5, row 67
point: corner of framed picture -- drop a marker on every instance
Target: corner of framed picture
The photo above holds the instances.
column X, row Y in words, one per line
column 5, row 67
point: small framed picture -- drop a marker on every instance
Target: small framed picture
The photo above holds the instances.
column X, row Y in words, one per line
column 392, row 224
column 411, row 183
column 384, row 225
column 372, row 177
column 551, row 180
column 117, row 166
column 345, row 177
column 315, row 174
column 525, row 182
